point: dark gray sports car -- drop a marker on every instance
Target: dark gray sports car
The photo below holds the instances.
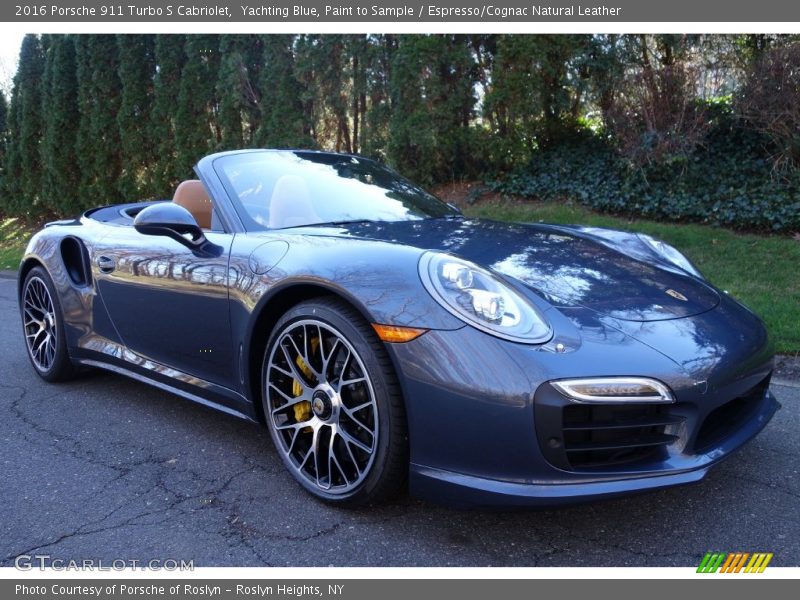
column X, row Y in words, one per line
column 383, row 337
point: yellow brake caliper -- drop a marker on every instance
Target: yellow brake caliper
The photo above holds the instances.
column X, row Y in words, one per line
column 302, row 410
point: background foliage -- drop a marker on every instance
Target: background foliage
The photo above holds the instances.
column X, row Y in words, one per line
column 702, row 128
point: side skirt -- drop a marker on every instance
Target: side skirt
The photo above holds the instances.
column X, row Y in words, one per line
column 247, row 415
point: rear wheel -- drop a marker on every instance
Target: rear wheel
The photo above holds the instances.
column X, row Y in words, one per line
column 333, row 405
column 43, row 326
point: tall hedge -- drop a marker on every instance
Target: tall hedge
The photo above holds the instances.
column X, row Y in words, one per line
column 170, row 58
column 23, row 170
column 631, row 124
column 3, row 132
column 238, row 90
column 196, row 115
column 60, row 191
column 98, row 141
column 433, row 105
column 137, row 69
column 283, row 116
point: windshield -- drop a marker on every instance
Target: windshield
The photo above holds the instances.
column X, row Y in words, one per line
column 280, row 189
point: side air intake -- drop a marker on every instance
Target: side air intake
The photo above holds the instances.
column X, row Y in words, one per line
column 76, row 261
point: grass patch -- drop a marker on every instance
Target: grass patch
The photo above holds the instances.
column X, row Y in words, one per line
column 14, row 236
column 760, row 270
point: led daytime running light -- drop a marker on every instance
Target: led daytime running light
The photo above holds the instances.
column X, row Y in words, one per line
column 601, row 390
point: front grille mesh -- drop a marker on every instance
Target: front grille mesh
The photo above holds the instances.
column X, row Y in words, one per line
column 605, row 435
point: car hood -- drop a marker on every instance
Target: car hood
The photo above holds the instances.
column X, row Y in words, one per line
column 565, row 265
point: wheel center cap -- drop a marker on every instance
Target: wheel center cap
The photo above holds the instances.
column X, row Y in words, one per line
column 321, row 405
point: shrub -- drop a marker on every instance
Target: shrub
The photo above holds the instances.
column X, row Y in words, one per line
column 655, row 115
column 770, row 102
column 725, row 180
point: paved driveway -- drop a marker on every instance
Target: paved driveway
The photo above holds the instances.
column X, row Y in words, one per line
column 109, row 468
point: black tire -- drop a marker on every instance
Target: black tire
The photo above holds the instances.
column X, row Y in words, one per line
column 386, row 468
column 58, row 366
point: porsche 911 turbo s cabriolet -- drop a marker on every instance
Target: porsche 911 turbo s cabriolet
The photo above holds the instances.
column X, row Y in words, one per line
column 387, row 340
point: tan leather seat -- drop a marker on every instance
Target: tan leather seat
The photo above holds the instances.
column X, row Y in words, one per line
column 290, row 205
column 192, row 195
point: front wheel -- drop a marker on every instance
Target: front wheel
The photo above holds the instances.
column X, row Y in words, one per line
column 333, row 405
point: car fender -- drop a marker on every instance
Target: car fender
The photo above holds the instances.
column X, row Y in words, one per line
column 378, row 279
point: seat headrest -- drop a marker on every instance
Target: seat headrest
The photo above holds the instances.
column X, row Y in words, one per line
column 290, row 204
column 192, row 195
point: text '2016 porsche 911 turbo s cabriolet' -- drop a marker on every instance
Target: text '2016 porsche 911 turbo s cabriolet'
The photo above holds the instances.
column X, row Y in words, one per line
column 385, row 339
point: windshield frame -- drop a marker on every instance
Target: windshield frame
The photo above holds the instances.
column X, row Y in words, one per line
column 251, row 225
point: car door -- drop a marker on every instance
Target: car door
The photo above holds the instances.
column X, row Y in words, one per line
column 168, row 303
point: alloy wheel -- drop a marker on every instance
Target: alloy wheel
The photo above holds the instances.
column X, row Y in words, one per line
column 40, row 324
column 322, row 406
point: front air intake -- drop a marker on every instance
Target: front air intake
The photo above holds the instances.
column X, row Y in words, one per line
column 615, row 436
column 610, row 435
column 726, row 419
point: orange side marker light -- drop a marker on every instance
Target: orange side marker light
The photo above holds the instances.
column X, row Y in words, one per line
column 394, row 334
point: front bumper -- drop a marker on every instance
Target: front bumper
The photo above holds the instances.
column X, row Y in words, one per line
column 484, row 423
column 458, row 489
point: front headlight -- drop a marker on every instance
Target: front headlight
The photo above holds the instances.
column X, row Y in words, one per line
column 670, row 254
column 483, row 300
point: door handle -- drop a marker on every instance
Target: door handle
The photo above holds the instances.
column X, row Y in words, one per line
column 105, row 264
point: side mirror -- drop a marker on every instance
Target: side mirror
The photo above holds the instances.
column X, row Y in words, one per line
column 174, row 221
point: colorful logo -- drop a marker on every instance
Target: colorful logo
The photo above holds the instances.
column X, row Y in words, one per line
column 734, row 562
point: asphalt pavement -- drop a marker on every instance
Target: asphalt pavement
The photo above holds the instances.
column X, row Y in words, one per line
column 108, row 468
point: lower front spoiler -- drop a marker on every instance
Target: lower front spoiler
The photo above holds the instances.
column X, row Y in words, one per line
column 469, row 491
